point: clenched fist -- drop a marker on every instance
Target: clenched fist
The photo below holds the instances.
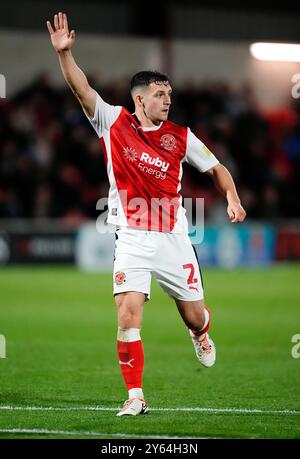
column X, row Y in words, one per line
column 236, row 212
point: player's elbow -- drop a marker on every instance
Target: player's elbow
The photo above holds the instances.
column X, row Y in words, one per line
column 87, row 99
column 214, row 170
column 81, row 91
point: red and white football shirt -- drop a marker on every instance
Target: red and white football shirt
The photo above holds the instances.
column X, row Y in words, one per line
column 144, row 167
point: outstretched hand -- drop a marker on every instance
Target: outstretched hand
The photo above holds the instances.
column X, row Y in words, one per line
column 61, row 38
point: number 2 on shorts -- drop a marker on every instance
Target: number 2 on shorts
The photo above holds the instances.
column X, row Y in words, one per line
column 191, row 278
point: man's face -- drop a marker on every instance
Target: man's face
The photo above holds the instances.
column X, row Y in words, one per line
column 156, row 101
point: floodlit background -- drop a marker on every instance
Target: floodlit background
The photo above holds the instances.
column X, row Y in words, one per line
column 55, row 295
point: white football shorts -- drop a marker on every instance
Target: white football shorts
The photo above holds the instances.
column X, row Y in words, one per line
column 171, row 258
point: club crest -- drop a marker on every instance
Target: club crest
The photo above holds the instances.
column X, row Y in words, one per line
column 168, row 141
column 120, row 278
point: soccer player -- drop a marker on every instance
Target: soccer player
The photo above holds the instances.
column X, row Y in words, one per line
column 144, row 153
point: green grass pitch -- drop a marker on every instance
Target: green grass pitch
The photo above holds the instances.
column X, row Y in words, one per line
column 60, row 329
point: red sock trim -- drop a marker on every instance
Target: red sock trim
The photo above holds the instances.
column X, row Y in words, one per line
column 205, row 329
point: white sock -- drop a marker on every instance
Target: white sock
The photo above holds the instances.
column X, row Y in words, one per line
column 206, row 313
column 137, row 392
column 128, row 335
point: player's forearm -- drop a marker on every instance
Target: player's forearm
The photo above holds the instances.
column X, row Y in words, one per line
column 73, row 75
column 225, row 184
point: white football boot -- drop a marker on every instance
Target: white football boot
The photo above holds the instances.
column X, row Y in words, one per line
column 204, row 348
column 134, row 407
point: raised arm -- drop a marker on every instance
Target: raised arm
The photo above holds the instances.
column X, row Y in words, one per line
column 62, row 41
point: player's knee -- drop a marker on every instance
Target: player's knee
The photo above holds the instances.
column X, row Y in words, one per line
column 125, row 318
column 127, row 314
column 130, row 308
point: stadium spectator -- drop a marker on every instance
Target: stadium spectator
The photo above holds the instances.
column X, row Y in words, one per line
column 50, row 164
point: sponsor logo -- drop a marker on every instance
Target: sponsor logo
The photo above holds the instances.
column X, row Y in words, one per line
column 162, row 165
column 127, row 363
column 168, row 141
column 145, row 160
column 158, row 174
column 130, row 154
column 120, row 278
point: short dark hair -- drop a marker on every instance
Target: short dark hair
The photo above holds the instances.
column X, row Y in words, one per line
column 146, row 77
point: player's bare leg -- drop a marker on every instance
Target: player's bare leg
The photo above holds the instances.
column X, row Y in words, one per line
column 130, row 350
column 130, row 309
column 196, row 316
column 193, row 313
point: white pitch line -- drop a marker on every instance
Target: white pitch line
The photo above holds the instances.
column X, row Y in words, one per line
column 93, row 434
column 57, row 408
column 104, row 408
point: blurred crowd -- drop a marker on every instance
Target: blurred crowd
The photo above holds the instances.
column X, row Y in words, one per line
column 51, row 164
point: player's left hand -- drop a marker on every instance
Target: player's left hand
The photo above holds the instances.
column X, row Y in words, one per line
column 236, row 212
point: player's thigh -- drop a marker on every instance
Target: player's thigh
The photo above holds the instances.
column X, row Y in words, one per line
column 132, row 272
column 178, row 271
